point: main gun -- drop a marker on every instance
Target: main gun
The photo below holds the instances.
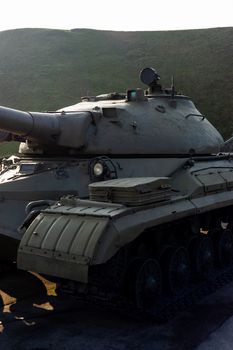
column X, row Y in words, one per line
column 64, row 129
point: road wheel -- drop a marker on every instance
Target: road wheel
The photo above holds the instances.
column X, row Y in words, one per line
column 175, row 269
column 144, row 283
column 201, row 256
column 223, row 247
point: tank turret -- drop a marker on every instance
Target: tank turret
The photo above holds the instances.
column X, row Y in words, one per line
column 157, row 122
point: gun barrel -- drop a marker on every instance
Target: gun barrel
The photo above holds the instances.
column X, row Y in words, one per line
column 66, row 129
column 14, row 121
column 40, row 126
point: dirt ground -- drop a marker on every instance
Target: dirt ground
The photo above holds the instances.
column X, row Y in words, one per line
column 34, row 318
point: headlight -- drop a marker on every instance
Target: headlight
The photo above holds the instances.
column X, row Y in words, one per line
column 98, row 169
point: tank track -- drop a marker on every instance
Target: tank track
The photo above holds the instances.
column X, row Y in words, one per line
column 168, row 306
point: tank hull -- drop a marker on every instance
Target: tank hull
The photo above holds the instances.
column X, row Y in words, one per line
column 68, row 238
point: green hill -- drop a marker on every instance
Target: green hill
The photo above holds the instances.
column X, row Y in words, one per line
column 42, row 69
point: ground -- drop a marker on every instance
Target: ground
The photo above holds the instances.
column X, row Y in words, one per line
column 34, row 318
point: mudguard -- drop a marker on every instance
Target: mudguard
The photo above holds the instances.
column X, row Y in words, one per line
column 64, row 244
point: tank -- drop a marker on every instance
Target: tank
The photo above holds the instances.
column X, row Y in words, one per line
column 126, row 194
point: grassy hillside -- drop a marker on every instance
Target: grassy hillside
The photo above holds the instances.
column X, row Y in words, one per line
column 43, row 69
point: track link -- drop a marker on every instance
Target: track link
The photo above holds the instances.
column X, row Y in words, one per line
column 167, row 307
